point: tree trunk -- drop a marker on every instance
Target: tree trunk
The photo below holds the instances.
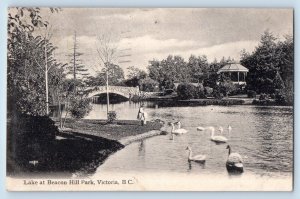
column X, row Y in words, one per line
column 46, row 80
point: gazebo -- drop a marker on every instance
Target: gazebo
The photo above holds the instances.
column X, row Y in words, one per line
column 236, row 72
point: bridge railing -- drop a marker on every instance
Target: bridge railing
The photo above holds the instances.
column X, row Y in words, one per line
column 126, row 91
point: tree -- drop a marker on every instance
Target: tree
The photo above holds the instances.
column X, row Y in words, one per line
column 29, row 61
column 148, row 85
column 169, row 70
column 134, row 76
column 107, row 54
column 262, row 65
column 271, row 61
column 76, row 68
column 198, row 68
column 115, row 74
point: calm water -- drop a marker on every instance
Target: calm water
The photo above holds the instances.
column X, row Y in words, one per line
column 262, row 135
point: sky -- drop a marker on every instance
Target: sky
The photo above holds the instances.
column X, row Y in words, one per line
column 144, row 34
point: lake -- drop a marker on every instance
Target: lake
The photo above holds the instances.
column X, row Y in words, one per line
column 262, row 135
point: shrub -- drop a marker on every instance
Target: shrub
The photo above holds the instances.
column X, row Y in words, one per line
column 251, row 94
column 284, row 97
column 79, row 107
column 208, row 91
column 148, row 85
column 111, row 116
column 227, row 87
column 29, row 137
column 200, row 93
column 263, row 96
column 186, row 91
column 217, row 92
column 168, row 91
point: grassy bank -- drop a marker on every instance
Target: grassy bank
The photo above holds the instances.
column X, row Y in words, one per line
column 114, row 131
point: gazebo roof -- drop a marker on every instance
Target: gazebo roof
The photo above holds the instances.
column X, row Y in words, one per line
column 234, row 67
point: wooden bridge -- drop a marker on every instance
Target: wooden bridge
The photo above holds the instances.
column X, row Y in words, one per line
column 124, row 91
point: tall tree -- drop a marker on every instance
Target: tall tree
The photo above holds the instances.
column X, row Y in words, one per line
column 198, row 68
column 115, row 74
column 76, row 68
column 263, row 64
column 168, row 71
column 28, row 60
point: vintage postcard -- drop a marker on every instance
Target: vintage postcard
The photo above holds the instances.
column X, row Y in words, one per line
column 150, row 99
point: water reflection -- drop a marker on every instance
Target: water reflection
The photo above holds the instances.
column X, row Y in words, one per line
column 193, row 164
column 142, row 149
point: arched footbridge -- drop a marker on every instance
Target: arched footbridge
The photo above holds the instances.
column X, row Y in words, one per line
column 124, row 91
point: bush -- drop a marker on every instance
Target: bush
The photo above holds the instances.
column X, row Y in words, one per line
column 272, row 96
column 284, row 97
column 208, row 91
column 149, row 85
column 29, row 137
column 251, row 94
column 200, row 92
column 217, row 92
column 186, row 91
column 168, row 91
column 263, row 96
column 80, row 107
column 111, row 116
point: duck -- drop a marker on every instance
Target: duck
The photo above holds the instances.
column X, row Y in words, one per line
column 196, row 158
column 234, row 162
column 218, row 138
column 178, row 131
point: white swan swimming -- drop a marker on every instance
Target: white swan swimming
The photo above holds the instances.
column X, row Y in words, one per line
column 229, row 129
column 234, row 161
column 196, row 158
column 217, row 138
column 201, row 128
column 179, row 130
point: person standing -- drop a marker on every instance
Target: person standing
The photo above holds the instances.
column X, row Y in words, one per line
column 142, row 115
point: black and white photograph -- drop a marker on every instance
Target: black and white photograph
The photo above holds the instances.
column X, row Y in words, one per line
column 150, row 99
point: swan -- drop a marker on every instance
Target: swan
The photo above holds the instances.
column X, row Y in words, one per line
column 178, row 131
column 196, row 158
column 218, row 138
column 234, row 161
column 172, row 136
column 229, row 128
column 179, row 126
column 200, row 128
column 221, row 130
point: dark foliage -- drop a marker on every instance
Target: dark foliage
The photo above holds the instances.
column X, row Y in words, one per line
column 111, row 116
column 80, row 107
column 186, row 91
column 271, row 67
column 251, row 94
column 29, row 137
